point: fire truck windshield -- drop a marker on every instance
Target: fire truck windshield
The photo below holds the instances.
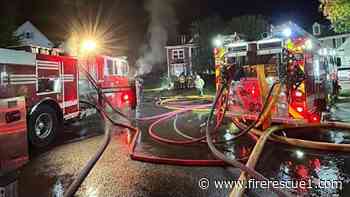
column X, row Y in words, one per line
column 116, row 67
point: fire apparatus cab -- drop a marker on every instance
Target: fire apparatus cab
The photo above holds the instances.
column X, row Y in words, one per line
column 291, row 56
column 111, row 75
column 39, row 90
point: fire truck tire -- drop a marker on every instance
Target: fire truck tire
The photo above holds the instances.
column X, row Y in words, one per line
column 42, row 126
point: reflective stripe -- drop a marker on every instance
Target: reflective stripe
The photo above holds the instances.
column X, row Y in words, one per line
column 46, row 93
column 48, row 68
column 47, row 62
column 22, row 82
column 47, row 65
column 72, row 115
column 22, row 79
column 17, row 75
column 70, row 103
column 294, row 113
column 68, row 78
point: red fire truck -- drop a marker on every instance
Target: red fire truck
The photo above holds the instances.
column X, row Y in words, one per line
column 111, row 76
column 291, row 56
column 47, row 84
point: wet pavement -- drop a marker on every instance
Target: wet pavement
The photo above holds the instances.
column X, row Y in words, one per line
column 52, row 170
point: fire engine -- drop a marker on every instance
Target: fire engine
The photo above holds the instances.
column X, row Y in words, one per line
column 110, row 74
column 289, row 55
column 47, row 84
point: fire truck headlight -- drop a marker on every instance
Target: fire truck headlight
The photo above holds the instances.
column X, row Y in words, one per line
column 287, row 32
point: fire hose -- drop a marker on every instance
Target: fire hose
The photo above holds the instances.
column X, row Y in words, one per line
column 249, row 169
column 232, row 162
column 257, row 150
column 73, row 188
column 269, row 134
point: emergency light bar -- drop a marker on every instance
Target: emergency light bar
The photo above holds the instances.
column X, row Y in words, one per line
column 270, row 46
column 237, row 49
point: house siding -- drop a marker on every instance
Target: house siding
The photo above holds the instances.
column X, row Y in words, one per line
column 176, row 66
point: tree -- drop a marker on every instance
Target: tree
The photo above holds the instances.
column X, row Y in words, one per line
column 338, row 12
column 203, row 32
column 251, row 26
column 8, row 15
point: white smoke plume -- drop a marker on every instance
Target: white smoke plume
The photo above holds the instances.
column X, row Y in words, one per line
column 162, row 22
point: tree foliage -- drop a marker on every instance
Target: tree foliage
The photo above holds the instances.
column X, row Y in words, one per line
column 251, row 26
column 338, row 12
column 7, row 36
column 205, row 30
column 8, row 19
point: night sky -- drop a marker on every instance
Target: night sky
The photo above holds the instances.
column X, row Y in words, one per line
column 302, row 12
column 52, row 17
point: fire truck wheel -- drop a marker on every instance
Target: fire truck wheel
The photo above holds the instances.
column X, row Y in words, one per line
column 42, row 127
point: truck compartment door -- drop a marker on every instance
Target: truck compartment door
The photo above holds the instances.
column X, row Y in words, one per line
column 13, row 134
column 70, row 88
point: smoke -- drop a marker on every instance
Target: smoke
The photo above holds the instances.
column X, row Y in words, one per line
column 162, row 22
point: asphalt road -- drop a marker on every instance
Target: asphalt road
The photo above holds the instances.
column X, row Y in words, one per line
column 50, row 171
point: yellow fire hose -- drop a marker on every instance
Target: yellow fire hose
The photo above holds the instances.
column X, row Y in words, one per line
column 177, row 98
column 239, row 189
column 269, row 135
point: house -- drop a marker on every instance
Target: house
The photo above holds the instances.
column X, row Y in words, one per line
column 30, row 35
column 179, row 56
column 327, row 37
column 344, row 53
column 330, row 39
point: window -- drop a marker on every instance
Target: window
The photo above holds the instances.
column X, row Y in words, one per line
column 121, row 68
column 3, row 75
column 46, row 85
column 178, row 54
column 28, row 35
column 125, row 67
column 338, row 42
column 316, row 28
column 109, row 67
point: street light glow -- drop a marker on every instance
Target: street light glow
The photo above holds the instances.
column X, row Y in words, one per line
column 217, row 42
column 287, row 32
column 299, row 154
column 89, row 45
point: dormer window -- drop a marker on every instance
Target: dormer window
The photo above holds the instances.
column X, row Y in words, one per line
column 316, row 29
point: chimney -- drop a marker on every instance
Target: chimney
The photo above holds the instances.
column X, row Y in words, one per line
column 183, row 39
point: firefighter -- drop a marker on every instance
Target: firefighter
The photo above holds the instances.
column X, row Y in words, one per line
column 139, row 89
column 182, row 80
column 199, row 83
column 189, row 81
column 176, row 83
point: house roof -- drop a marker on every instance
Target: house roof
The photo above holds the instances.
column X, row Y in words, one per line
column 327, row 31
column 38, row 37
